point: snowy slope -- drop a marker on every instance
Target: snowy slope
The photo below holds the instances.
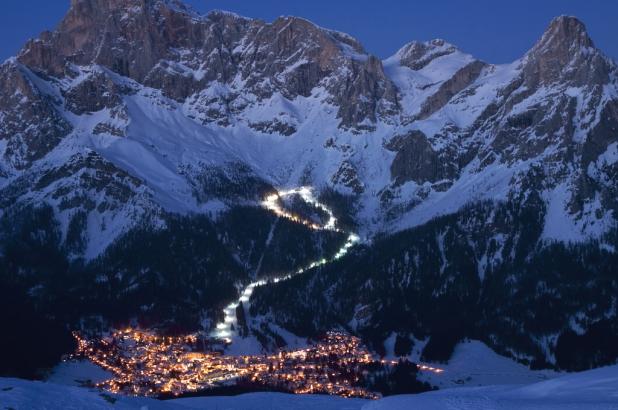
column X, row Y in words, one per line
column 298, row 104
column 24, row 395
column 474, row 364
column 595, row 389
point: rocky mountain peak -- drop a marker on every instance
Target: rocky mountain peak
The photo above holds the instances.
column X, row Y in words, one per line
column 222, row 15
column 566, row 52
column 128, row 36
column 162, row 44
column 417, row 54
column 565, row 31
column 101, row 5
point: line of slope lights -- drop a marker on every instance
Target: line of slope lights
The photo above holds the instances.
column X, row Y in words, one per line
column 271, row 203
column 224, row 329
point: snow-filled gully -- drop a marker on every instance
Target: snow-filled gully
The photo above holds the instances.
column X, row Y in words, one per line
column 225, row 329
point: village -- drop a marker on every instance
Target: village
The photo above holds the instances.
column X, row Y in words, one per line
column 146, row 364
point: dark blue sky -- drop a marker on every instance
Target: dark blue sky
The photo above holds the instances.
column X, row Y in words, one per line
column 496, row 31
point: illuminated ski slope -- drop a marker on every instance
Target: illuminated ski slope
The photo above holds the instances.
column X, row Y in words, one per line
column 225, row 329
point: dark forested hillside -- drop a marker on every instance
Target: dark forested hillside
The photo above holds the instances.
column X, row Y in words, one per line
column 458, row 277
column 172, row 276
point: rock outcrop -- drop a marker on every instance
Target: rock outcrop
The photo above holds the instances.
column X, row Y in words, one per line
column 30, row 123
column 165, row 45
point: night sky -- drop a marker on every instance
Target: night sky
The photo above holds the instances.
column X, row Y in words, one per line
column 495, row 31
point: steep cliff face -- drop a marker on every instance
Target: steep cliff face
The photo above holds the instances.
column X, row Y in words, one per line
column 166, row 46
column 30, row 126
column 566, row 53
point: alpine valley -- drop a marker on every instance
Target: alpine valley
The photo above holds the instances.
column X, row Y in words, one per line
column 139, row 142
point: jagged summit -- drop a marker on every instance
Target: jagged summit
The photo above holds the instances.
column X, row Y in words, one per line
column 96, row 9
column 564, row 38
column 566, row 52
column 124, row 4
column 565, row 30
column 219, row 13
column 417, row 54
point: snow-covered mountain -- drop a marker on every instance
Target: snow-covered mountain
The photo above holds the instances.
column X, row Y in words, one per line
column 143, row 119
column 166, row 101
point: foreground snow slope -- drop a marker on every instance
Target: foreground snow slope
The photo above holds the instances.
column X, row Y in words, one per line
column 595, row 389
column 24, row 395
column 474, row 364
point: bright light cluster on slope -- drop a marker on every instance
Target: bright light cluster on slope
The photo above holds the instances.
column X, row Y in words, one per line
column 224, row 330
